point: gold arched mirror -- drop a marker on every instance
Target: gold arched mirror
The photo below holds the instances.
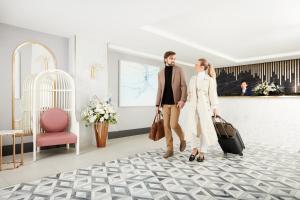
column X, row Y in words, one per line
column 28, row 58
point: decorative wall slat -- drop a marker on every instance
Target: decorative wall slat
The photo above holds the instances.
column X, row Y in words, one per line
column 284, row 73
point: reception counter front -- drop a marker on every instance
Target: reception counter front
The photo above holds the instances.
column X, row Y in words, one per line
column 272, row 120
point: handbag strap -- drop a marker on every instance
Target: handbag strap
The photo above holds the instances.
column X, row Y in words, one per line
column 157, row 117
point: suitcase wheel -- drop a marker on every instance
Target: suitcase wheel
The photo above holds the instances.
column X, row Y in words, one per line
column 241, row 154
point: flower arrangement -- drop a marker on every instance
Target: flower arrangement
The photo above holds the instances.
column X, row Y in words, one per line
column 98, row 111
column 266, row 89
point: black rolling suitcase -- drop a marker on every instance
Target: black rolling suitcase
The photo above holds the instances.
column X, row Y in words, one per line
column 228, row 136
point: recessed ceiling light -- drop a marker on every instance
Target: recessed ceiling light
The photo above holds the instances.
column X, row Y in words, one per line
column 143, row 54
column 185, row 42
column 194, row 45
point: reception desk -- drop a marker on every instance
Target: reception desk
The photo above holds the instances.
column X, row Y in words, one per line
column 272, row 120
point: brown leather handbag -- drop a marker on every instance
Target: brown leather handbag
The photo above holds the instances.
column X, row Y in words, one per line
column 157, row 129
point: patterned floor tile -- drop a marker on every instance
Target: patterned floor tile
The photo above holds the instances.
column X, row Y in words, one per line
column 262, row 173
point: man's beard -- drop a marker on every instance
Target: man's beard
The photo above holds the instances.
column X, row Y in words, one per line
column 171, row 64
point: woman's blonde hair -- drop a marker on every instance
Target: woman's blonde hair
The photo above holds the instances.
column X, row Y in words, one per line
column 207, row 67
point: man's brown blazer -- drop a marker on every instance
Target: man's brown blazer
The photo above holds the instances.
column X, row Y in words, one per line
column 179, row 87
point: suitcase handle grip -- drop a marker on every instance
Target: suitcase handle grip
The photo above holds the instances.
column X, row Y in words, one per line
column 219, row 117
column 222, row 124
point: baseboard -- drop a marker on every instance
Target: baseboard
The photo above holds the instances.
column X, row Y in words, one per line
column 28, row 147
column 126, row 133
column 8, row 149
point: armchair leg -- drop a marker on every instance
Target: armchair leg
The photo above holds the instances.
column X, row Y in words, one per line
column 38, row 149
column 77, row 148
column 68, row 146
column 34, row 152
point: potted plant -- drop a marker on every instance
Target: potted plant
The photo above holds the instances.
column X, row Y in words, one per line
column 99, row 114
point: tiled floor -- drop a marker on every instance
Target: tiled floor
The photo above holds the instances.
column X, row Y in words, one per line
column 118, row 172
column 58, row 160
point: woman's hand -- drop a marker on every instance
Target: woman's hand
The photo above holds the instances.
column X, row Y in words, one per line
column 180, row 104
column 216, row 112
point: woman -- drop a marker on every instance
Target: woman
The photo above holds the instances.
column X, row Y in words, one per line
column 203, row 100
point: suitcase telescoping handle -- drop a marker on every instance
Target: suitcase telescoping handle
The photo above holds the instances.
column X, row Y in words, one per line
column 222, row 124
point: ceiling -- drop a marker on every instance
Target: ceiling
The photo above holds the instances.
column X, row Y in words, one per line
column 231, row 32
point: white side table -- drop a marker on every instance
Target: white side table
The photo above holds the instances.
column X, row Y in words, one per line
column 12, row 133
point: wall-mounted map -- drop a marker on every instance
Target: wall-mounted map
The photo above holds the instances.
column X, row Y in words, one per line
column 137, row 84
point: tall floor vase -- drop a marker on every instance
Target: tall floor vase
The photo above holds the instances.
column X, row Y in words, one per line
column 101, row 133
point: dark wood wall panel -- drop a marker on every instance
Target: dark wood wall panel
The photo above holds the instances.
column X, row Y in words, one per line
column 284, row 73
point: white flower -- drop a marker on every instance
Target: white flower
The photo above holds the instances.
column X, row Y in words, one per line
column 92, row 119
column 111, row 110
column 100, row 110
column 99, row 106
column 84, row 113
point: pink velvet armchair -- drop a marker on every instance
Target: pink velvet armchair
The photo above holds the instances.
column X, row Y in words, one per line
column 54, row 123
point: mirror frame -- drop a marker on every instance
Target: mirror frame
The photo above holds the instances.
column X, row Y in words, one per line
column 14, row 71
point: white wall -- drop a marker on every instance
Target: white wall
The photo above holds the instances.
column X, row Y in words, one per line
column 132, row 117
column 88, row 51
column 10, row 38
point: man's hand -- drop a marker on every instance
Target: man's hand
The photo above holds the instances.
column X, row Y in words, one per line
column 157, row 109
column 180, row 104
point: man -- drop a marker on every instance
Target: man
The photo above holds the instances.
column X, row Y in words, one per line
column 171, row 96
column 245, row 90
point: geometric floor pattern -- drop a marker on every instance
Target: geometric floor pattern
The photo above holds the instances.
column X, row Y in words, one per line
column 262, row 173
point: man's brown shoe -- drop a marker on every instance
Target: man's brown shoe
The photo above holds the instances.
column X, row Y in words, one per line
column 168, row 154
column 182, row 146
